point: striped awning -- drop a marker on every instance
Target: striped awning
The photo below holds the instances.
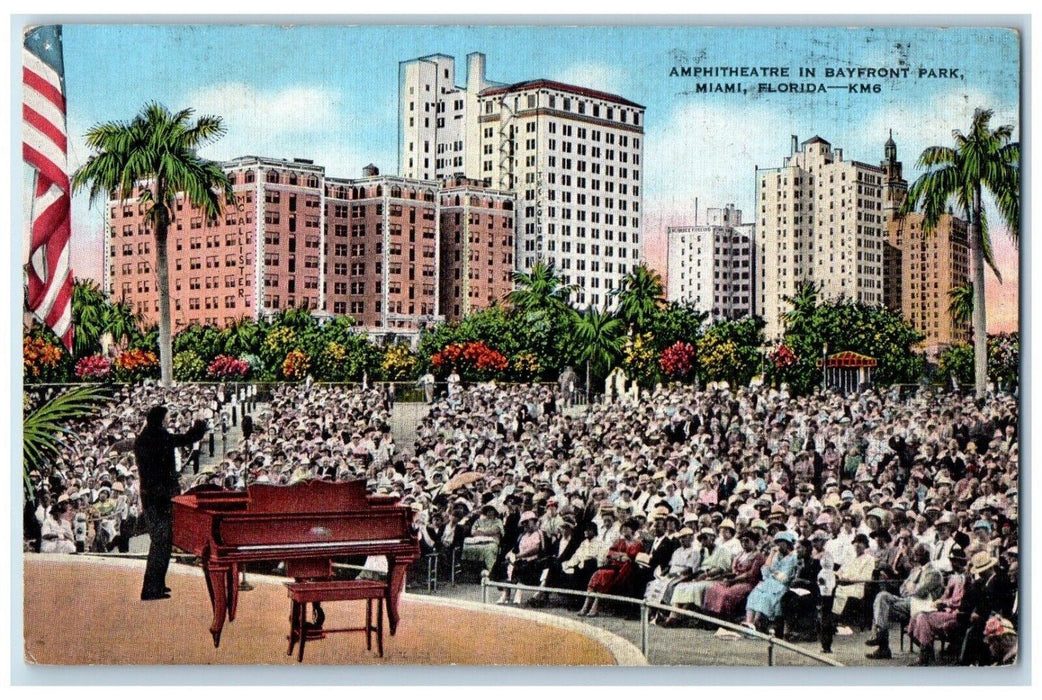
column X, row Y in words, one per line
column 849, row 358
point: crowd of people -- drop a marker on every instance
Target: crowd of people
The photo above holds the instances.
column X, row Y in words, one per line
column 88, row 498
column 796, row 515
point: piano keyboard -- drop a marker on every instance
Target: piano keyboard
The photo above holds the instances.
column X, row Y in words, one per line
column 316, row 545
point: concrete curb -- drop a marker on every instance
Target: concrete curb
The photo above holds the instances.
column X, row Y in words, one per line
column 625, row 652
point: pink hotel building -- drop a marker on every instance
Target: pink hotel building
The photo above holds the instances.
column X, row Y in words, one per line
column 392, row 252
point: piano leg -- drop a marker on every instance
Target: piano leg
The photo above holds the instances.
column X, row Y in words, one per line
column 233, row 591
column 217, row 582
column 294, row 619
column 397, row 570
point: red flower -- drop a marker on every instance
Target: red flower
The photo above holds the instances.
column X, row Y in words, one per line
column 228, row 367
column 93, row 367
column 782, row 357
column 473, row 355
column 678, row 359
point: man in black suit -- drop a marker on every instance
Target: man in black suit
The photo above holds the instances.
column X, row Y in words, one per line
column 154, row 452
column 660, row 552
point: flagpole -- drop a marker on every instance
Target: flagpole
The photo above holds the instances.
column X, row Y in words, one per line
column 28, row 238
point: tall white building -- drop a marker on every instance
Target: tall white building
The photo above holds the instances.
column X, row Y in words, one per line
column 821, row 221
column 712, row 266
column 572, row 155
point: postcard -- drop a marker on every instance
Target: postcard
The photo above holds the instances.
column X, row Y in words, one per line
column 505, row 345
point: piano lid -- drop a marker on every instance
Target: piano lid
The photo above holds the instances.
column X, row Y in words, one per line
column 314, row 496
column 308, row 496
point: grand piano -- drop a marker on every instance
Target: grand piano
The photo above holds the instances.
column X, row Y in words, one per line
column 304, row 525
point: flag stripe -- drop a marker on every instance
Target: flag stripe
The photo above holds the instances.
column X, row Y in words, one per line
column 45, row 155
column 53, row 130
column 45, row 105
column 41, row 78
column 48, row 307
column 45, row 147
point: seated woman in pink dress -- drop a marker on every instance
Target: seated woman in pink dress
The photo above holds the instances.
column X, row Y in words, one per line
column 928, row 626
column 618, row 569
column 727, row 598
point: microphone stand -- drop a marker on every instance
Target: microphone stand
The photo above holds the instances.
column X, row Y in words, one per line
column 245, row 585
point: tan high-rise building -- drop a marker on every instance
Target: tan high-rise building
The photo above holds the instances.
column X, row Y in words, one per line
column 923, row 269
column 820, row 220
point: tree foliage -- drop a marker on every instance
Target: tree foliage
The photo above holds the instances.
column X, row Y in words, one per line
column 154, row 158
column 982, row 161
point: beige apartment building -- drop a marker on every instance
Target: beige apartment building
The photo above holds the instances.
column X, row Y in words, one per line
column 923, row 269
column 712, row 266
column 820, row 220
column 572, row 156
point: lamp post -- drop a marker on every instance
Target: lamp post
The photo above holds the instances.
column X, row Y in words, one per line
column 824, row 367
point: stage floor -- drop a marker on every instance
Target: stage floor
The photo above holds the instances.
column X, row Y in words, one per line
column 84, row 610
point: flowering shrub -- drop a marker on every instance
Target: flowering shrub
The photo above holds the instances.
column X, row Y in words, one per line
column 473, row 360
column 277, row 343
column 256, row 364
column 93, row 368
column 189, row 367
column 296, row 365
column 525, row 366
column 227, row 368
column 638, row 354
column 782, row 357
column 331, row 363
column 716, row 358
column 677, row 360
column 136, row 364
column 40, row 359
column 398, row 363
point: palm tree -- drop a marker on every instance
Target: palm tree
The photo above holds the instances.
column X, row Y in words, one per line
column 598, row 338
column 43, row 425
column 960, row 303
column 541, row 292
column 88, row 317
column 155, row 156
column 241, row 337
column 804, row 303
column 641, row 295
column 984, row 159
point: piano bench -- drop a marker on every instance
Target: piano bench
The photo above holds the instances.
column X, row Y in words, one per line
column 303, row 592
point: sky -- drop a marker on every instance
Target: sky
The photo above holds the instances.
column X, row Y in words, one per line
column 329, row 93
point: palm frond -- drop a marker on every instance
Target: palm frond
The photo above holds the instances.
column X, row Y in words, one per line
column 41, row 428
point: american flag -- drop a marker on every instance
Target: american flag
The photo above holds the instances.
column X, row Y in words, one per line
column 44, row 147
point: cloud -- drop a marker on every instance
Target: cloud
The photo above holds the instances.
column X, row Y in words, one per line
column 710, row 151
column 596, row 76
column 295, row 109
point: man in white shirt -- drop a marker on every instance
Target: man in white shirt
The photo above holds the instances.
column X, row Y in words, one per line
column 945, row 529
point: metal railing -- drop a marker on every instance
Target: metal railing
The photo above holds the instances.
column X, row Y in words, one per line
column 771, row 641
